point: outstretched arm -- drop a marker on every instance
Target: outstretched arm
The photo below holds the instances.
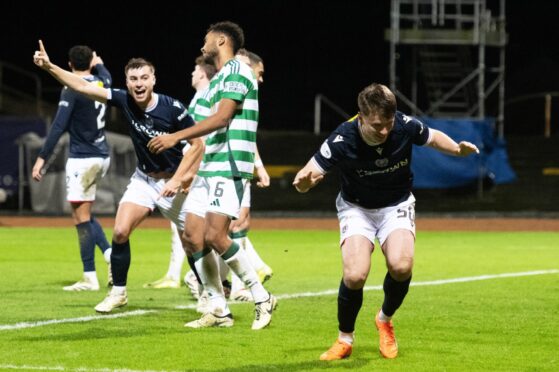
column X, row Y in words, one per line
column 308, row 177
column 90, row 90
column 220, row 119
column 444, row 143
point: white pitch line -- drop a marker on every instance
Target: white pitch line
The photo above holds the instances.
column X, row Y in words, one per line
column 22, row 325
column 328, row 292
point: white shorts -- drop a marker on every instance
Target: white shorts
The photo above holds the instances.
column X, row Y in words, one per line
column 371, row 223
column 82, row 176
column 144, row 190
column 216, row 195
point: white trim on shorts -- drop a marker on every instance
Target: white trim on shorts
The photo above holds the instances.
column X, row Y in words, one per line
column 374, row 223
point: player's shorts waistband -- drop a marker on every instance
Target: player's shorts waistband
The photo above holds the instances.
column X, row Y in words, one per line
column 154, row 175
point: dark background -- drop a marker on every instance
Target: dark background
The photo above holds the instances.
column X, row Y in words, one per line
column 309, row 47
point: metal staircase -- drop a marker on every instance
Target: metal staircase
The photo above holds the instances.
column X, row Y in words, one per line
column 439, row 63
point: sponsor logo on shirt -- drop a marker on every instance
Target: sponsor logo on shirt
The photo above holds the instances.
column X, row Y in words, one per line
column 394, row 168
column 63, row 103
column 235, row 87
column 150, row 132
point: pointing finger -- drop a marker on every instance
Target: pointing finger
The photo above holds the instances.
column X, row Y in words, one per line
column 41, row 46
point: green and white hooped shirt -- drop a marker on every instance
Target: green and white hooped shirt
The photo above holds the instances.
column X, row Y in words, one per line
column 230, row 150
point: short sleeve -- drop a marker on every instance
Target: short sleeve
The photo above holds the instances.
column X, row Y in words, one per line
column 117, row 98
column 330, row 152
column 418, row 130
column 236, row 87
column 184, row 119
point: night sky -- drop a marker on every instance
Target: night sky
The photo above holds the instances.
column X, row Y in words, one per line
column 309, row 47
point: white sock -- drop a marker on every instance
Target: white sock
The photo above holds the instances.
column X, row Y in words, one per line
column 91, row 277
column 177, row 255
column 240, row 265
column 252, row 255
column 346, row 337
column 383, row 318
column 236, row 283
column 118, row 290
column 107, row 255
column 209, row 274
column 223, row 269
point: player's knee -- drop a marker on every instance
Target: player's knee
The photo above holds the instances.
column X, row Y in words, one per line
column 355, row 279
column 401, row 270
column 212, row 239
column 192, row 241
column 121, row 233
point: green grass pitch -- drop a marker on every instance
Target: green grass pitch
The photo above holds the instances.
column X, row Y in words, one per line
column 499, row 323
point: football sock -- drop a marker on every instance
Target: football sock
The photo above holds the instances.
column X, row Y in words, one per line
column 177, row 255
column 206, row 265
column 239, row 264
column 253, row 256
column 192, row 265
column 91, row 276
column 100, row 238
column 120, row 262
column 349, row 304
column 383, row 317
column 394, row 293
column 346, row 337
column 87, row 246
column 223, row 269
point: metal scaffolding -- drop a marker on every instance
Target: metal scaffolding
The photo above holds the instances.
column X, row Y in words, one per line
column 446, row 45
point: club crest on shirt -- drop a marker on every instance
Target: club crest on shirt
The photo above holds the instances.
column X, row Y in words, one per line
column 148, row 122
column 325, row 150
column 381, row 163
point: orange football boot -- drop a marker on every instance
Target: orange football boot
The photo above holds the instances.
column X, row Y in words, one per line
column 387, row 340
column 339, row 350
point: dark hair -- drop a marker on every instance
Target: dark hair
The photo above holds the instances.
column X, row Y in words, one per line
column 80, row 56
column 207, row 65
column 377, row 98
column 135, row 63
column 233, row 31
column 253, row 57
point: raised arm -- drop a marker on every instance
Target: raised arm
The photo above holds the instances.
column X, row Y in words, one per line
column 76, row 83
column 220, row 119
column 440, row 141
column 308, row 177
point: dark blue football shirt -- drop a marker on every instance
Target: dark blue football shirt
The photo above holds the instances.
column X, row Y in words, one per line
column 168, row 115
column 83, row 119
column 373, row 176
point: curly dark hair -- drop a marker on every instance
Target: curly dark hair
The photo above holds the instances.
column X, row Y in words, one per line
column 233, row 31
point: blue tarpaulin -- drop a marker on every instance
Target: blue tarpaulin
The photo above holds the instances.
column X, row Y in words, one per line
column 435, row 170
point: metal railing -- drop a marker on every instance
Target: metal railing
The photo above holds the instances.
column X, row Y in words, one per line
column 318, row 99
column 547, row 107
column 25, row 75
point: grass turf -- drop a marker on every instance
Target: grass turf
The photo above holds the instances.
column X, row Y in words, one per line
column 498, row 324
